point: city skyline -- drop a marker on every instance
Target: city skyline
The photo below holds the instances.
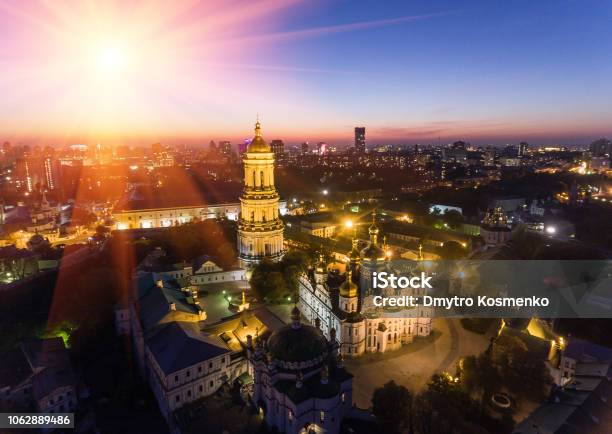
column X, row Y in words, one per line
column 428, row 72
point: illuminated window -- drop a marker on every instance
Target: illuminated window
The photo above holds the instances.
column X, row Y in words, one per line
column 322, row 416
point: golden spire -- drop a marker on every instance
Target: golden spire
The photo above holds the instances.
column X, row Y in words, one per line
column 257, row 127
column 243, row 298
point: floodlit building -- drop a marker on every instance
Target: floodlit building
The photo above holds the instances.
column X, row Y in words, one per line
column 300, row 384
column 260, row 229
column 495, row 228
column 344, row 305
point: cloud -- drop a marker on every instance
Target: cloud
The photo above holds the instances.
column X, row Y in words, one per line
column 338, row 28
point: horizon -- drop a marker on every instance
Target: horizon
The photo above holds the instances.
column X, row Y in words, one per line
column 425, row 72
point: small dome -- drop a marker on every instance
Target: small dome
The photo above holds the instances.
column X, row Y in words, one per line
column 258, row 144
column 36, row 240
column 354, row 253
column 373, row 252
column 349, row 289
column 321, row 266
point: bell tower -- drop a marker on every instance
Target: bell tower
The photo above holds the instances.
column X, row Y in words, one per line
column 260, row 229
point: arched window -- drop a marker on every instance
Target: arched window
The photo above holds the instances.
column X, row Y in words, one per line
column 261, row 178
column 253, row 216
column 254, row 179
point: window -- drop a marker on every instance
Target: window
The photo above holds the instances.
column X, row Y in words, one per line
column 189, row 393
column 212, row 383
column 322, row 416
column 210, row 365
column 176, row 378
column 177, row 398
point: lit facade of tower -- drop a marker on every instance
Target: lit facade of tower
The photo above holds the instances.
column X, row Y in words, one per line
column 260, row 229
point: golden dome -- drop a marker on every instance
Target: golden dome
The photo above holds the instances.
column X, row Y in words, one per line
column 349, row 289
column 258, row 144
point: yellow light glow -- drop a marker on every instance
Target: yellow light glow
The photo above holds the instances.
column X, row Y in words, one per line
column 112, row 58
column 348, row 224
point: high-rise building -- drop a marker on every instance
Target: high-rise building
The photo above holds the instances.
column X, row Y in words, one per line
column 278, row 148
column 360, row 141
column 51, row 167
column 260, row 229
column 601, row 148
column 304, row 148
column 225, row 147
column 321, row 148
column 522, row 149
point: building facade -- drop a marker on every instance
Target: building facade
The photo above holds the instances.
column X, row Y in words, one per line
column 260, row 229
column 344, row 305
column 299, row 383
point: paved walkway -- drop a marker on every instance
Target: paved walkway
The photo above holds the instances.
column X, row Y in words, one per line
column 415, row 363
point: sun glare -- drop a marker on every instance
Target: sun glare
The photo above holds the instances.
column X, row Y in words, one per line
column 112, row 58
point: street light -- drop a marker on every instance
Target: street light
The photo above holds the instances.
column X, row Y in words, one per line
column 325, row 192
column 348, row 224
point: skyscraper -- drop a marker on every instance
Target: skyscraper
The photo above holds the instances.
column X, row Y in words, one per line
column 360, row 141
column 522, row 150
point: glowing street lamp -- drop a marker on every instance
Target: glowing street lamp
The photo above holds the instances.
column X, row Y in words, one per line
column 348, row 224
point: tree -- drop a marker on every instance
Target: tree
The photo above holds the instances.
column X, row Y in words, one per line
column 523, row 372
column 452, row 250
column 444, row 407
column 102, row 231
column 392, row 406
column 453, row 218
column 480, row 376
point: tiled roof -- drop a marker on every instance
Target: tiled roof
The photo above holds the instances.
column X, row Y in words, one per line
column 178, row 345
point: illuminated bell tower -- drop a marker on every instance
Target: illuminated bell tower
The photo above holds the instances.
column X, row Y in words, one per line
column 260, row 229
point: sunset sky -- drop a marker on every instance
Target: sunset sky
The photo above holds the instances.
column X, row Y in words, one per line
column 410, row 71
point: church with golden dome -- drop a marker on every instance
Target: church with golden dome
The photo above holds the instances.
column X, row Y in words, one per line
column 260, row 229
column 343, row 304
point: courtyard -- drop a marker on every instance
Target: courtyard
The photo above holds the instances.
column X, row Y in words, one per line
column 414, row 364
